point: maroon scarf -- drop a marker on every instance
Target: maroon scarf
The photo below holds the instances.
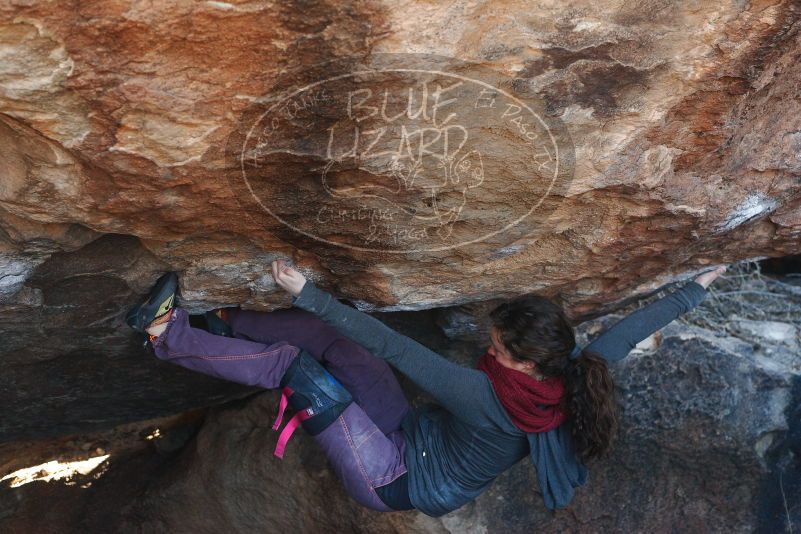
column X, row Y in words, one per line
column 532, row 404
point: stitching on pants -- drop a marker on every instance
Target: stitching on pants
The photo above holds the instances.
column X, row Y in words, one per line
column 237, row 357
column 359, row 460
column 370, row 484
column 393, row 479
column 380, row 479
column 368, row 437
column 392, row 475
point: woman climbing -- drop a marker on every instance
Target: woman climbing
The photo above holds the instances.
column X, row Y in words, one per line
column 535, row 392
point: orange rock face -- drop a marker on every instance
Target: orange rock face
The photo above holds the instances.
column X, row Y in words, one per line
column 680, row 128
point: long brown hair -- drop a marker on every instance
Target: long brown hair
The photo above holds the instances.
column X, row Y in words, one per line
column 535, row 329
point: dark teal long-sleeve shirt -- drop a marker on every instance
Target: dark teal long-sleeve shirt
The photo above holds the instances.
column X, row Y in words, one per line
column 455, row 449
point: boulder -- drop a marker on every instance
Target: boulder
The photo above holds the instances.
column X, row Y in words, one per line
column 677, row 147
column 404, row 156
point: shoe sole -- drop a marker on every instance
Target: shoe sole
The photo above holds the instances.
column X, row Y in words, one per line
column 142, row 315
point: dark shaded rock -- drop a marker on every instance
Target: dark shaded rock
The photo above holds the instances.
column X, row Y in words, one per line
column 91, row 502
column 70, row 364
column 780, row 493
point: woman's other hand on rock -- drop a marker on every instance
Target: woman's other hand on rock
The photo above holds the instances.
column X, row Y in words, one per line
column 708, row 277
column 287, row 277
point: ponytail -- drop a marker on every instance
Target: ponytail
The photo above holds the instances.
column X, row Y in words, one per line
column 591, row 401
column 533, row 328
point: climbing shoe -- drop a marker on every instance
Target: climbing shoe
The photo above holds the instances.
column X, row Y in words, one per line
column 316, row 395
column 158, row 303
column 216, row 325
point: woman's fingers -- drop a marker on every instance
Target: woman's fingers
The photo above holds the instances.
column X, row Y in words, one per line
column 287, row 277
column 276, row 266
column 286, row 271
column 707, row 278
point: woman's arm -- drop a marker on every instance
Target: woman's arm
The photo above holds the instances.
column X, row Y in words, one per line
column 617, row 341
column 465, row 392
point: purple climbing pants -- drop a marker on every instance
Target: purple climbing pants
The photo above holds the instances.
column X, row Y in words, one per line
column 364, row 445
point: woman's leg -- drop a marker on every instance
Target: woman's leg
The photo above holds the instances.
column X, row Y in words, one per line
column 362, row 457
column 239, row 360
column 369, row 379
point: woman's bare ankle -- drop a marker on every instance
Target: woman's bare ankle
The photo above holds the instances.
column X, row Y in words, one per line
column 159, row 325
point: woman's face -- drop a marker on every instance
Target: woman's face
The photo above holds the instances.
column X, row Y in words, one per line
column 500, row 353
